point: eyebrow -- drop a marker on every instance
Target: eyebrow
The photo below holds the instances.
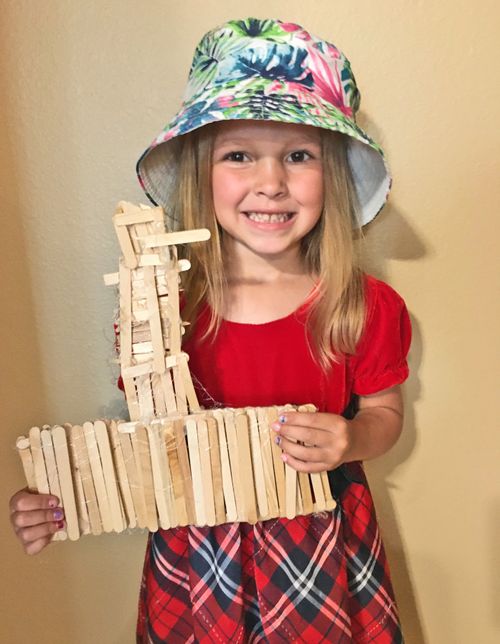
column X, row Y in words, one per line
column 228, row 139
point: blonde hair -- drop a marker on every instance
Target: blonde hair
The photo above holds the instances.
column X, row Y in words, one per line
column 337, row 312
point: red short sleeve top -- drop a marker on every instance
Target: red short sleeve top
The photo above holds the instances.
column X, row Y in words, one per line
column 271, row 364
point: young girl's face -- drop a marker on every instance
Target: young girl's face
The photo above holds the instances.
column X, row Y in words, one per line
column 267, row 182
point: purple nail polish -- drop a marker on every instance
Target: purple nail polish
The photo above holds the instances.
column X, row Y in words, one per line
column 277, row 440
column 58, row 514
column 282, row 419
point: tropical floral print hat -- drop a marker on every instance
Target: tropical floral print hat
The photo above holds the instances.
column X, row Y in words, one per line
column 274, row 71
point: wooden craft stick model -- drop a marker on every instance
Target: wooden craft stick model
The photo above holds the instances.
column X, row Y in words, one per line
column 173, row 463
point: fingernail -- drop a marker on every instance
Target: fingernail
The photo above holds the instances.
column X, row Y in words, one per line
column 58, row 514
column 52, row 504
column 277, row 440
column 284, row 458
column 276, row 427
column 282, row 419
column 60, row 525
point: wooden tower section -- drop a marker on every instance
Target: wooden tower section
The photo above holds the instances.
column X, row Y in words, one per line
column 173, row 463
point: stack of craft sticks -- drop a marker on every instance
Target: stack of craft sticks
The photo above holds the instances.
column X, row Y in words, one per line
column 205, row 469
column 173, row 464
column 153, row 366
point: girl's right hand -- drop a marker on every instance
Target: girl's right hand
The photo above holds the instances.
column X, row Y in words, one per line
column 35, row 518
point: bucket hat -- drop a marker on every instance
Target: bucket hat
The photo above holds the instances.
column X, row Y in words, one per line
column 275, row 71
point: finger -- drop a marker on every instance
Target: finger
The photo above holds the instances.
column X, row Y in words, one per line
column 307, row 435
column 35, row 533
column 307, row 419
column 31, row 518
column 24, row 500
column 302, row 452
column 35, row 547
column 302, row 466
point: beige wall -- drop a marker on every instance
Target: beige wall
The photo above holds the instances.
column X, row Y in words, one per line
column 84, row 86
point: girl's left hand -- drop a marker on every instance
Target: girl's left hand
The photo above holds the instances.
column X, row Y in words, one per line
column 313, row 442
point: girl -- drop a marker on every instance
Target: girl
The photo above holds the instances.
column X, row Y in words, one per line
column 265, row 153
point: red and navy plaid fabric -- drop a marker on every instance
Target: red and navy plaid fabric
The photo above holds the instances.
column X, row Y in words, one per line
column 319, row 578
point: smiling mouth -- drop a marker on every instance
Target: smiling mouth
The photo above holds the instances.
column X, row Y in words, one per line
column 269, row 218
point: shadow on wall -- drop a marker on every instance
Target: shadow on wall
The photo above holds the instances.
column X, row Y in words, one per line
column 391, row 237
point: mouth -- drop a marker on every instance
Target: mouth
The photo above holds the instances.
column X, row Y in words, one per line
column 269, row 218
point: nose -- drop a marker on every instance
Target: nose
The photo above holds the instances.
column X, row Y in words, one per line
column 270, row 178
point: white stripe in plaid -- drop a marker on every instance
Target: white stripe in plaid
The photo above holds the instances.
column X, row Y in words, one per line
column 302, row 583
column 212, row 568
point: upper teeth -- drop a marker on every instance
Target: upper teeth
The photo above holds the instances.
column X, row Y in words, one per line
column 275, row 218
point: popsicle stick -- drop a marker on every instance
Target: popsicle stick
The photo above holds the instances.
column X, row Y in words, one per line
column 192, row 399
column 206, row 471
column 145, row 397
column 178, row 510
column 152, row 259
column 213, row 437
column 279, row 467
column 227, row 479
column 179, row 237
column 304, row 478
column 232, row 444
column 267, row 458
column 101, row 434
column 122, row 475
column 82, row 463
column 141, row 369
column 83, row 515
column 160, row 408
column 185, row 478
column 134, row 474
column 154, row 320
column 330, row 502
column 167, row 442
column 66, row 482
column 258, row 466
column 98, row 476
column 131, row 397
column 125, row 316
column 168, row 392
column 141, row 444
column 137, row 217
column 173, row 312
column 245, row 467
column 319, row 495
column 159, row 467
column 42, row 483
column 129, row 256
column 194, row 456
column 180, row 393
column 111, row 279
column 52, row 473
column 142, row 349
column 24, row 451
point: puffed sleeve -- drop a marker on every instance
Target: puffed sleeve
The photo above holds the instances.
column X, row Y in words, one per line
column 380, row 359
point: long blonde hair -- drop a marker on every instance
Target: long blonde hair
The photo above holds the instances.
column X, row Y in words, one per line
column 336, row 315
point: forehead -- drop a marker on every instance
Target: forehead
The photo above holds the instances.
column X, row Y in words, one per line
column 229, row 131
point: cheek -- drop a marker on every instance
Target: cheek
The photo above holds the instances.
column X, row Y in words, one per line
column 311, row 191
column 226, row 187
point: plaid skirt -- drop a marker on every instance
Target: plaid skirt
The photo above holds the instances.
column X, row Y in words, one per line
column 317, row 578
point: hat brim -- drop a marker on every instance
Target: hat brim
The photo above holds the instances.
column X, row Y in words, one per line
column 157, row 167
